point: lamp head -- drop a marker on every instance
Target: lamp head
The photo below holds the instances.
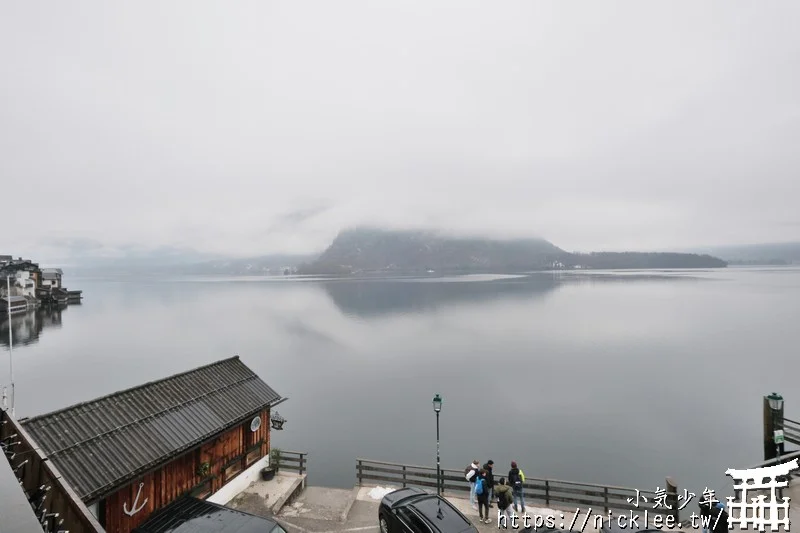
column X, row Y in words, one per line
column 437, row 403
column 775, row 401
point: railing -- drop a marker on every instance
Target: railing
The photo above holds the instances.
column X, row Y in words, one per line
column 54, row 502
column 780, row 460
column 291, row 460
column 791, row 431
column 551, row 492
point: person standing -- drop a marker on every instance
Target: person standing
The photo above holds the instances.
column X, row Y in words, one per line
column 713, row 518
column 482, row 492
column 490, row 479
column 516, row 478
column 472, row 473
column 504, row 498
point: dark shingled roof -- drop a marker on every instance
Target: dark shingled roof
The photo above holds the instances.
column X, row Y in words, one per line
column 190, row 515
column 103, row 444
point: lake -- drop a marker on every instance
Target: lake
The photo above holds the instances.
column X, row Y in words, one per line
column 614, row 378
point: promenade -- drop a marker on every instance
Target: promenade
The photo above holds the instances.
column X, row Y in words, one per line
column 333, row 510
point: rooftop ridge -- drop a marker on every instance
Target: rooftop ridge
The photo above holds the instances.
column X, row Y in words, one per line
column 37, row 418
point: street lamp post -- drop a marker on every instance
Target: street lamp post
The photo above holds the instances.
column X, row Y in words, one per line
column 437, row 407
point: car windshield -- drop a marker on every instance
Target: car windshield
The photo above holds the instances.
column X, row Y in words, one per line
column 443, row 515
column 277, row 529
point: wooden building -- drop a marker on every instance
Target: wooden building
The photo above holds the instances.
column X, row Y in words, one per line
column 133, row 452
column 51, row 277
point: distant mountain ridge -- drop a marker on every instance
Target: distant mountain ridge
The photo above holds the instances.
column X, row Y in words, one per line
column 189, row 262
column 370, row 250
column 786, row 253
column 264, row 265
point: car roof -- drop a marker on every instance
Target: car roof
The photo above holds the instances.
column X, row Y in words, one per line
column 615, row 528
column 402, row 494
column 439, row 513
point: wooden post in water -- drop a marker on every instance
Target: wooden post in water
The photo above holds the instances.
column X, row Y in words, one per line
column 672, row 499
column 779, row 425
column 769, row 427
column 772, row 421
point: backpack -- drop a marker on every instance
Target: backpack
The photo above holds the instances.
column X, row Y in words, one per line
column 722, row 524
column 516, row 480
column 503, row 500
column 479, row 486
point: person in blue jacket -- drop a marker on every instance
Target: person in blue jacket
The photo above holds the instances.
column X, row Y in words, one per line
column 712, row 512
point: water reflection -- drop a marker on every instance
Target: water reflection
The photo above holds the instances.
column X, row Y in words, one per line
column 376, row 298
column 592, row 378
column 27, row 327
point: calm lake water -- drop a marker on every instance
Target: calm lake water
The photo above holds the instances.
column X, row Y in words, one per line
column 618, row 378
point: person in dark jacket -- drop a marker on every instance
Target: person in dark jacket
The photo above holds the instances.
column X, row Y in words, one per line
column 483, row 498
column 515, row 479
column 490, row 479
column 504, row 497
column 715, row 516
column 719, row 519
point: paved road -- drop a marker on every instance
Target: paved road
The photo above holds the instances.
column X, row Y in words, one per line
column 319, row 510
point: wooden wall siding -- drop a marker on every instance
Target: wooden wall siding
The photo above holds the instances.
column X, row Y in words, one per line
column 178, row 477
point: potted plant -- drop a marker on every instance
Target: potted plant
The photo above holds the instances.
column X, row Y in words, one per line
column 268, row 472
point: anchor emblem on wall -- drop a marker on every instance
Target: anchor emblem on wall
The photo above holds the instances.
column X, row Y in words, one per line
column 135, row 509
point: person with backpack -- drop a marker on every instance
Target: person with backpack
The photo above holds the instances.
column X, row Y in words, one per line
column 482, row 493
column 715, row 515
column 490, row 479
column 516, row 478
column 504, row 497
column 471, row 474
column 719, row 519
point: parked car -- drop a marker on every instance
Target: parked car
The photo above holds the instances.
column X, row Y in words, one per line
column 614, row 527
column 412, row 510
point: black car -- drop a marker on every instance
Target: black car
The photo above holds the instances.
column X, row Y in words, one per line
column 190, row 515
column 615, row 527
column 412, row 510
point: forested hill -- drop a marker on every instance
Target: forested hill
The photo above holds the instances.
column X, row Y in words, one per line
column 367, row 250
column 611, row 260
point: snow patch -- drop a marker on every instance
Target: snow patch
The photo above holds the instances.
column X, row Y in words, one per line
column 379, row 492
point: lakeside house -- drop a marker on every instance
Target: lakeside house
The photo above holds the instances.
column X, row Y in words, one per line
column 13, row 304
column 25, row 276
column 36, row 284
column 203, row 434
column 51, row 277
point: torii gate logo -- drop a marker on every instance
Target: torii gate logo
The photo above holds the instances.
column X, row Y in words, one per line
column 761, row 513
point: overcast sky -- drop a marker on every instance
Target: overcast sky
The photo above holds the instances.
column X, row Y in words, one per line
column 257, row 127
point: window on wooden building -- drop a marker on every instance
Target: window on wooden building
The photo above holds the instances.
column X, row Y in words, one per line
column 253, row 455
column 203, row 490
column 233, row 468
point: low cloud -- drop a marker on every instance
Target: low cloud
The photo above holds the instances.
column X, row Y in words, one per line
column 268, row 127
